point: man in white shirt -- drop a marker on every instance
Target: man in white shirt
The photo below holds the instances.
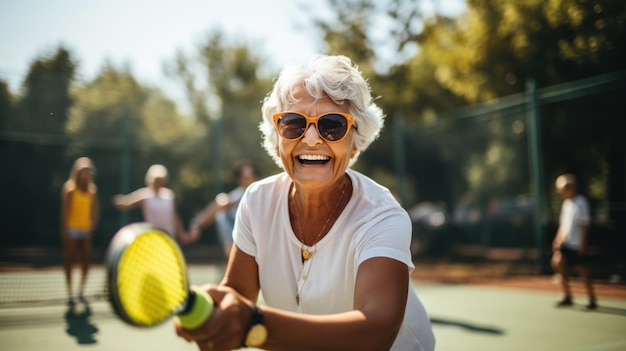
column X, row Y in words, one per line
column 571, row 241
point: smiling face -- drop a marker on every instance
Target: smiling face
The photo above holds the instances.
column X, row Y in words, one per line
column 312, row 161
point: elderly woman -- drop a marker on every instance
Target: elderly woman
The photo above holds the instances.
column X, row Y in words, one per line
column 327, row 246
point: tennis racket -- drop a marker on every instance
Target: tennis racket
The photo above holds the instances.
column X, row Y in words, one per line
column 147, row 279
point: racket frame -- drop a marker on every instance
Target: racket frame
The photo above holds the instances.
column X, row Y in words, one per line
column 120, row 242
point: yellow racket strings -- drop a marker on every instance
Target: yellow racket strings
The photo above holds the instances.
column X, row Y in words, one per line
column 152, row 280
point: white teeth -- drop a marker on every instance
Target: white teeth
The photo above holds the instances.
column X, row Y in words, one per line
column 314, row 158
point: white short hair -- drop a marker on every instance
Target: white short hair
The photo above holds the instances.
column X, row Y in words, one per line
column 332, row 76
column 154, row 172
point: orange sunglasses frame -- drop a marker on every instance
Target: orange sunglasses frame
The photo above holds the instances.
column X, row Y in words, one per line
column 314, row 120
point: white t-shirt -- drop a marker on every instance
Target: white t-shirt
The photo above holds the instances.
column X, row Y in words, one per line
column 574, row 215
column 158, row 209
column 373, row 224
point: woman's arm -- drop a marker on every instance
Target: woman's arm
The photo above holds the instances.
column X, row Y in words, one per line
column 129, row 201
column 181, row 234
column 242, row 274
column 379, row 303
column 222, row 202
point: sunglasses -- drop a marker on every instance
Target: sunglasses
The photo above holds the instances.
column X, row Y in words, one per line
column 331, row 126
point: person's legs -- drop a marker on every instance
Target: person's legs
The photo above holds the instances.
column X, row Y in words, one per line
column 585, row 273
column 69, row 250
column 559, row 264
column 84, row 249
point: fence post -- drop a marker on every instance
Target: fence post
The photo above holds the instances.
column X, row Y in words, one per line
column 218, row 153
column 400, row 158
column 536, row 168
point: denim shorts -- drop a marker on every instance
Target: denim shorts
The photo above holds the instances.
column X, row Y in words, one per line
column 78, row 233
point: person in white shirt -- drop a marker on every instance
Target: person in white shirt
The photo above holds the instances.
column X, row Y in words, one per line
column 571, row 241
column 327, row 247
column 223, row 208
column 157, row 203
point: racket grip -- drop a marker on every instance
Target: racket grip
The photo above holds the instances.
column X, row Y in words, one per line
column 200, row 310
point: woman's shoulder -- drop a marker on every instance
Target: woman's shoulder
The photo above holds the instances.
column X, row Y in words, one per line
column 275, row 181
column 67, row 187
column 267, row 190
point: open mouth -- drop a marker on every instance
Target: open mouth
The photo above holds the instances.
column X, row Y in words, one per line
column 313, row 159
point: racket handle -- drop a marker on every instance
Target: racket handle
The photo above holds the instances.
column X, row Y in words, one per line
column 200, row 310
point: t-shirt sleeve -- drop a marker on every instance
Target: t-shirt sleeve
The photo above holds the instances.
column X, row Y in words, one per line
column 389, row 236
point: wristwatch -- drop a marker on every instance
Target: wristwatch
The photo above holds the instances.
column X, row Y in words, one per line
column 257, row 334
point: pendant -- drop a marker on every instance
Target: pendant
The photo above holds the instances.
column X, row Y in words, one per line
column 306, row 254
column 298, row 299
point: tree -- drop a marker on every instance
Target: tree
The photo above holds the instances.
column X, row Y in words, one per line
column 226, row 105
column 497, row 46
column 103, row 104
column 46, row 95
column 38, row 115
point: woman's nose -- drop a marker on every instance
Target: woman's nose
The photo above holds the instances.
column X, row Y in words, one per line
column 311, row 137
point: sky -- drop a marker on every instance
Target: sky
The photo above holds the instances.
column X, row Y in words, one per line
column 145, row 34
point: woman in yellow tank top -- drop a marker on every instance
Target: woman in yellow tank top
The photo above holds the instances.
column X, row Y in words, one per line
column 80, row 213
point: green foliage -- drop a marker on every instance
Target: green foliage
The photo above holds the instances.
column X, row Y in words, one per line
column 348, row 34
column 497, row 46
column 103, row 104
column 45, row 96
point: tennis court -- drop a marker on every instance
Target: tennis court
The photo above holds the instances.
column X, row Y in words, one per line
column 465, row 317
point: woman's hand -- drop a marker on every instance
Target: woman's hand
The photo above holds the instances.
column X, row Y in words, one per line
column 227, row 326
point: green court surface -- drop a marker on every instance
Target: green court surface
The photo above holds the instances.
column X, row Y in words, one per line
column 465, row 317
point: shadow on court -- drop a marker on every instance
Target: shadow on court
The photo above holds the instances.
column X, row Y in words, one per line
column 471, row 327
column 79, row 325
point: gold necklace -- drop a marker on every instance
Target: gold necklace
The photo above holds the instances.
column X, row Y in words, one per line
column 306, row 253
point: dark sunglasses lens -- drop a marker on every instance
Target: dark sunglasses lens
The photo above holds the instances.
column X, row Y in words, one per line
column 332, row 126
column 291, row 125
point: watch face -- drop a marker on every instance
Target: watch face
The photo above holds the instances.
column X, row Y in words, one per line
column 256, row 336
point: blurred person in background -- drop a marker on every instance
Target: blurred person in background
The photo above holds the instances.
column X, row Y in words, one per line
column 157, row 203
column 571, row 241
column 80, row 213
column 223, row 209
column 326, row 246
